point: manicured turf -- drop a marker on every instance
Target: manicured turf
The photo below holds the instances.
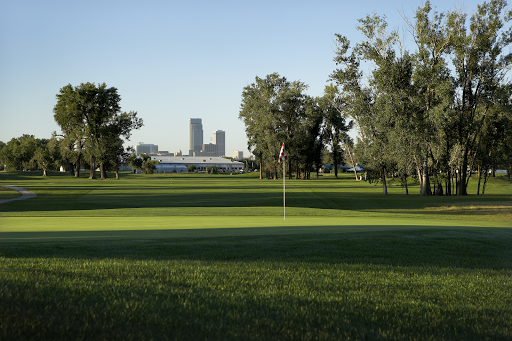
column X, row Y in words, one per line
column 211, row 257
column 7, row 193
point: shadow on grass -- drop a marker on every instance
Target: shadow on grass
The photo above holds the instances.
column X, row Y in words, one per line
column 84, row 198
column 410, row 284
column 410, row 246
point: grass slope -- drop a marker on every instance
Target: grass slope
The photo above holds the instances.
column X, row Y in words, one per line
column 210, row 257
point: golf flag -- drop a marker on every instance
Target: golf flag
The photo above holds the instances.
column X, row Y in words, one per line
column 282, row 158
column 282, row 154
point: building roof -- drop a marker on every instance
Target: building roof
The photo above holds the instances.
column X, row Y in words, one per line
column 164, row 159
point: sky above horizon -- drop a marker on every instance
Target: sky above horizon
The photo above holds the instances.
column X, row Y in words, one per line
column 172, row 60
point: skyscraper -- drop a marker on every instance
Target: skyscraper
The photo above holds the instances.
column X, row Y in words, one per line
column 219, row 139
column 195, row 135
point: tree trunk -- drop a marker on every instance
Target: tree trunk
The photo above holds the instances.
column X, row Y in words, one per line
column 117, row 174
column 384, row 184
column 44, row 172
column 77, row 165
column 420, row 179
column 93, row 168
column 102, row 171
column 71, row 169
column 425, row 184
column 457, row 182
column 479, row 178
column 485, row 183
column 261, row 170
column 355, row 172
column 463, row 177
column 449, row 183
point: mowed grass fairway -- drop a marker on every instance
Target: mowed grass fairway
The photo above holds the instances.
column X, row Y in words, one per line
column 191, row 257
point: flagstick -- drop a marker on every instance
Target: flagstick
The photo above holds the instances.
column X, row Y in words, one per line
column 284, row 191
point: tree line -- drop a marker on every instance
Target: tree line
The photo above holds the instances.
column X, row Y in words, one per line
column 439, row 113
column 93, row 130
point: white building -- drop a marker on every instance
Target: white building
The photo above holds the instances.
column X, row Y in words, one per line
column 146, row 148
column 171, row 164
column 237, row 154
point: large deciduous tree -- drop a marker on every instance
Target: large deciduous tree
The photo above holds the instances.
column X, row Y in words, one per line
column 272, row 109
column 481, row 66
column 47, row 155
column 90, row 118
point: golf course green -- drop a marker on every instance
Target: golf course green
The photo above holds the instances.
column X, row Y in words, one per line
column 217, row 257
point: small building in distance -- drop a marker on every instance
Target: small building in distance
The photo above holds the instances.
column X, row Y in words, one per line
column 237, row 154
column 146, row 148
column 178, row 164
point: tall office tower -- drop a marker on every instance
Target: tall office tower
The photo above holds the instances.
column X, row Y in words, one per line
column 219, row 138
column 195, row 135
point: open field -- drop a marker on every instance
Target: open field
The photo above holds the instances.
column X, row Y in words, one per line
column 211, row 257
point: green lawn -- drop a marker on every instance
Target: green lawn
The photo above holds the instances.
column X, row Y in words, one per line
column 7, row 193
column 193, row 257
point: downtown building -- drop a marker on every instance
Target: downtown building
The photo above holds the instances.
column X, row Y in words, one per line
column 195, row 140
column 146, row 148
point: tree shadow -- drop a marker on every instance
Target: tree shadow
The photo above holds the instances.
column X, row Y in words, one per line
column 417, row 246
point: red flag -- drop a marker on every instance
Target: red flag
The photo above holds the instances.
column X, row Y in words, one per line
column 282, row 154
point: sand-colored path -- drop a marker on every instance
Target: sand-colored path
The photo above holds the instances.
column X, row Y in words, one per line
column 25, row 194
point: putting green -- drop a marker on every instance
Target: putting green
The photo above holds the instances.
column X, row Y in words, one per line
column 16, row 229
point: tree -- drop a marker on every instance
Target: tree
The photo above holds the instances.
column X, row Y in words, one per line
column 2, row 163
column 373, row 106
column 191, row 168
column 433, row 119
column 148, row 165
column 47, row 154
column 135, row 162
column 119, row 156
column 212, row 169
column 18, row 153
column 90, row 118
column 412, row 111
column 480, row 68
column 273, row 110
column 143, row 163
column 335, row 130
column 111, row 151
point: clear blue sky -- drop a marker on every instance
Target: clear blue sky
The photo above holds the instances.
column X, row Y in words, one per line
column 171, row 60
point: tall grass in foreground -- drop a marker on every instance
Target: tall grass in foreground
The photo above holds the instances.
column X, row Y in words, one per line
column 419, row 285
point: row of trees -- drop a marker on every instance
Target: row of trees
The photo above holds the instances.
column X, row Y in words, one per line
column 93, row 130
column 28, row 152
column 437, row 113
column 276, row 110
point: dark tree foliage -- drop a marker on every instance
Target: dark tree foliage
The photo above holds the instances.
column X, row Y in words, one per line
column 437, row 113
column 92, row 124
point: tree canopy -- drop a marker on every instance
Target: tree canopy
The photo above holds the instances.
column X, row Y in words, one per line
column 435, row 112
column 93, row 125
